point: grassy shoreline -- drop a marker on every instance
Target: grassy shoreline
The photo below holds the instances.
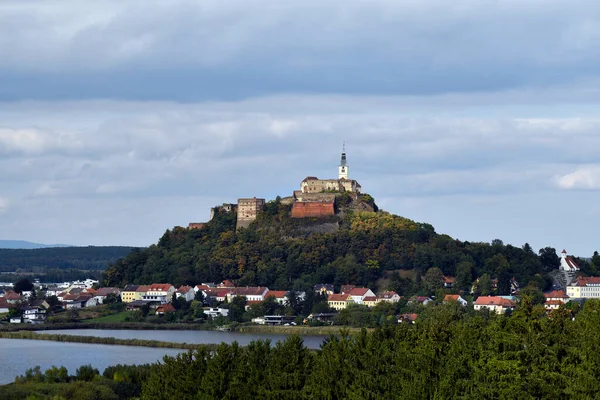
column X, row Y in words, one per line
column 28, row 335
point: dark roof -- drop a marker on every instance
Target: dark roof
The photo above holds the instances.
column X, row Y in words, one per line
column 130, row 288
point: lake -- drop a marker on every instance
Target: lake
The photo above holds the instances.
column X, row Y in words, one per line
column 196, row 337
column 17, row 355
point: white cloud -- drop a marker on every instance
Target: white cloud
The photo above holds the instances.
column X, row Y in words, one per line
column 587, row 177
column 4, row 204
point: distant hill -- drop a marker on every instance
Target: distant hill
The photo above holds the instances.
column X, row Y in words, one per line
column 22, row 244
column 80, row 258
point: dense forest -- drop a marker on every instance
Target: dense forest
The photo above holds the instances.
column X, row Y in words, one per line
column 450, row 352
column 82, row 258
column 58, row 264
column 350, row 248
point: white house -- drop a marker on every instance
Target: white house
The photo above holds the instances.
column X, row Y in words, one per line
column 250, row 293
column 216, row 312
column 390, row 297
column 280, row 296
column 557, row 295
column 584, row 288
column 358, row 294
column 457, row 298
column 161, row 292
column 567, row 263
column 102, row 293
column 34, row 315
column 186, row 292
column 494, row 303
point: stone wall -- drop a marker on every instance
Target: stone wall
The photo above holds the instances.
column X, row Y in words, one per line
column 196, row 225
column 313, row 210
column 247, row 210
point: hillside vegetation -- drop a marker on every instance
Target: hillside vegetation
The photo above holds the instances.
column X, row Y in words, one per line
column 284, row 253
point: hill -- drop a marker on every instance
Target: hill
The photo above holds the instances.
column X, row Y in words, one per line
column 352, row 247
column 22, row 244
column 80, row 258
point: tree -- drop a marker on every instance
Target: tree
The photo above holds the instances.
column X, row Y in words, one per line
column 86, row 373
column 23, row 285
column 549, row 259
column 484, row 286
column 433, row 280
column 464, row 275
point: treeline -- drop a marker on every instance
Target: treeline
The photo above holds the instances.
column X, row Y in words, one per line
column 284, row 253
column 450, row 353
column 80, row 258
column 51, row 275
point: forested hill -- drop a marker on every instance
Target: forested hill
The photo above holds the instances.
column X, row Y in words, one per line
column 351, row 248
column 80, row 258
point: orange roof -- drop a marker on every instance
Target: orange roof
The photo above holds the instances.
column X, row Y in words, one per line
column 584, row 281
column 165, row 308
column 556, row 294
column 278, row 294
column 553, row 303
column 338, row 297
column 159, row 287
column 370, row 298
column 449, row 279
column 493, row 301
column 451, row 297
column 143, row 288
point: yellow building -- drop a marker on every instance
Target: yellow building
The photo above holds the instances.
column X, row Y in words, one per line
column 339, row 301
column 133, row 292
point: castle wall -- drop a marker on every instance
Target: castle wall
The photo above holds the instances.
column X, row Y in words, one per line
column 196, row 225
column 308, row 210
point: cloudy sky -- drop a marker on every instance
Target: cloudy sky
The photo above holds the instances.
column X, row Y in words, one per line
column 119, row 120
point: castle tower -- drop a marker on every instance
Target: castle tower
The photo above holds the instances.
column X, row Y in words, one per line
column 343, row 168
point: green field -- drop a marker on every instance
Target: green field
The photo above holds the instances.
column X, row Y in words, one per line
column 118, row 317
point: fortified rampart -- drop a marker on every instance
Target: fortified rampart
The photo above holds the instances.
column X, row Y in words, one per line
column 309, row 210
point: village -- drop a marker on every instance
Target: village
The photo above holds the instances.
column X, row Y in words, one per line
column 215, row 299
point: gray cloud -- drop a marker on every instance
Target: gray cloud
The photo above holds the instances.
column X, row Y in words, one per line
column 171, row 162
column 189, row 50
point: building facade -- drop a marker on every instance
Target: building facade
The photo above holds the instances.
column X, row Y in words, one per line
column 584, row 288
column 248, row 209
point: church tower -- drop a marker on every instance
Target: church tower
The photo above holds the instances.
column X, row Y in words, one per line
column 343, row 168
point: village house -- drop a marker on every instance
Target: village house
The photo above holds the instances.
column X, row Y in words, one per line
column 12, row 297
column 345, row 289
column 370, row 301
column 557, row 295
column 407, row 318
column 358, row 294
column 160, row 292
column 216, row 312
column 102, row 293
column 34, row 315
column 496, row 304
column 455, row 297
column 165, row 308
column 74, row 301
column 449, row 282
column 424, row 300
column 280, row 296
column 186, row 292
column 584, row 288
column 339, row 301
column 323, row 288
column 128, row 294
column 389, row 296
column 250, row 293
column 216, row 294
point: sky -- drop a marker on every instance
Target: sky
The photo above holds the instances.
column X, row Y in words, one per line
column 120, row 120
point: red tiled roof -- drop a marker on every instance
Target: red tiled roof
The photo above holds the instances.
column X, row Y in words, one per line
column 370, row 298
column 493, row 301
column 409, row 317
column 358, row 291
column 387, row 295
column 584, row 281
column 556, row 294
column 338, row 297
column 184, row 289
column 248, row 291
column 347, row 288
column 12, row 295
column 202, row 287
column 422, row 299
column 571, row 262
column 226, row 284
column 553, row 303
column 252, row 302
column 105, row 291
column 143, row 288
column 159, row 287
column 278, row 294
column 451, row 297
column 449, row 279
column 165, row 308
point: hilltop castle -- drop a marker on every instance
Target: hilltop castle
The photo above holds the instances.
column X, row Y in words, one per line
column 316, row 198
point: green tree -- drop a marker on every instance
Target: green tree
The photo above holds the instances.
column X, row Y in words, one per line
column 549, row 259
column 23, row 285
column 464, row 275
column 433, row 279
